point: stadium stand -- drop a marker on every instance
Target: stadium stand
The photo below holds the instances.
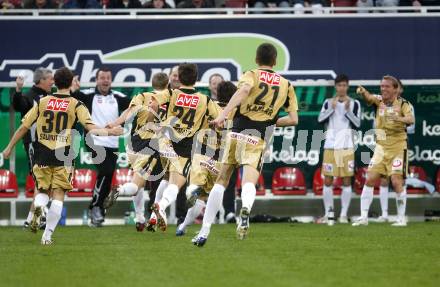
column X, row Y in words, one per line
column 261, row 189
column 359, row 181
column 83, row 183
column 419, row 173
column 29, row 187
column 288, row 181
column 8, row 184
column 318, row 183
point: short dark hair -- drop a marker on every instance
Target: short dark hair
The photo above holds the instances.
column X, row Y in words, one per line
column 188, row 74
column 225, row 90
column 63, row 78
column 266, row 55
column 341, row 78
column 159, row 81
column 102, row 69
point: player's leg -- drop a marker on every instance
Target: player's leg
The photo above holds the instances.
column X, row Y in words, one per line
column 61, row 183
column 248, row 193
column 383, row 195
column 367, row 197
column 398, row 185
column 178, row 172
column 43, row 178
column 378, row 167
column 345, row 199
column 191, row 215
column 53, row 215
column 327, row 198
column 214, row 203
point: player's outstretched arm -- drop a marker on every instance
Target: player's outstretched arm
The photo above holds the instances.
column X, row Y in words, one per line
column 123, row 117
column 369, row 98
column 97, row 131
column 290, row 120
column 18, row 135
column 235, row 101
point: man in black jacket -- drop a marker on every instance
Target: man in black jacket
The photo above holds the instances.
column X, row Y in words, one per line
column 23, row 102
column 105, row 106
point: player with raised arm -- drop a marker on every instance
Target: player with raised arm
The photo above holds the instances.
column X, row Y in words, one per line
column 260, row 96
column 205, row 162
column 390, row 159
column 141, row 150
column 187, row 110
column 55, row 116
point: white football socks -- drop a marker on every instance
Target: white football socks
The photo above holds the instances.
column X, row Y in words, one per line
column 192, row 213
column 401, row 204
column 169, row 196
column 215, row 201
column 366, row 199
column 383, row 194
column 160, row 189
column 248, row 194
column 327, row 196
column 41, row 200
column 128, row 189
column 139, row 205
column 345, row 200
column 53, row 216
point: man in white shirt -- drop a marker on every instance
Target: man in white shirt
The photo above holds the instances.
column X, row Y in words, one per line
column 341, row 115
column 105, row 105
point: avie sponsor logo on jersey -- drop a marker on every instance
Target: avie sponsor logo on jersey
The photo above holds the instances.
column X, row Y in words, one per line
column 270, row 78
column 57, row 105
column 187, row 101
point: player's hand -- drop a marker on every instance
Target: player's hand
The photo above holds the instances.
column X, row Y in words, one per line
column 19, row 83
column 393, row 117
column 116, row 131
column 75, row 84
column 110, row 126
column 6, row 153
column 361, row 90
column 334, row 102
column 218, row 122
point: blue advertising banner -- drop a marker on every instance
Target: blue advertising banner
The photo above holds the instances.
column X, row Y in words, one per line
column 309, row 48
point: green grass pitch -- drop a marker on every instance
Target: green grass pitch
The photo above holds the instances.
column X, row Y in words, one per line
column 272, row 255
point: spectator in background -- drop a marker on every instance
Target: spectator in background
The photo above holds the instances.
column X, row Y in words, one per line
column 121, row 4
column 39, row 4
column 105, row 105
column 378, row 3
column 418, row 3
column 272, row 4
column 214, row 80
column 174, row 78
column 81, row 4
column 343, row 3
column 10, row 4
column 23, row 103
column 157, row 4
column 315, row 4
column 196, row 4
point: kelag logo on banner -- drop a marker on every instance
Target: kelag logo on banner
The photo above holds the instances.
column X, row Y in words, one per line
column 138, row 63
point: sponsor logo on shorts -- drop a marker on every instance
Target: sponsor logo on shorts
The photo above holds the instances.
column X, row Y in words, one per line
column 210, row 165
column 244, row 138
column 328, row 167
column 270, row 78
column 57, row 105
column 187, row 101
column 397, row 164
column 351, row 165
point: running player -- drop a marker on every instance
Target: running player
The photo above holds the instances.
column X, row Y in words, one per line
column 139, row 149
column 55, row 117
column 340, row 114
column 186, row 113
column 205, row 165
column 260, row 96
column 393, row 114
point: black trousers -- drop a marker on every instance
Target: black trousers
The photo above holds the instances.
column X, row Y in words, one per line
column 229, row 196
column 105, row 172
